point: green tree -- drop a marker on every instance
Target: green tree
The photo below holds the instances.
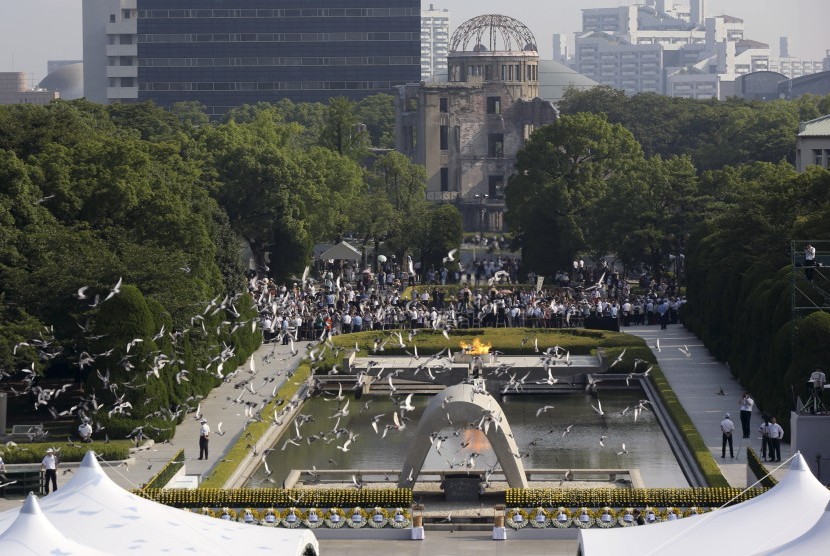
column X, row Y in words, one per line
column 342, row 130
column 562, row 173
column 377, row 113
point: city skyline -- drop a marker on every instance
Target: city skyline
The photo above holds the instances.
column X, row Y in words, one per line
column 28, row 39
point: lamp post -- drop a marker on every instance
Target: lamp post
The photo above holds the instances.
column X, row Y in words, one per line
column 482, row 210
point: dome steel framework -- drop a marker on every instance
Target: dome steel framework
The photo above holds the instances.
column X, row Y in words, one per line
column 501, row 33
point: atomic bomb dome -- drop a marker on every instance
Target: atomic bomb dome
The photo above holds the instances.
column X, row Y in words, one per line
column 493, row 33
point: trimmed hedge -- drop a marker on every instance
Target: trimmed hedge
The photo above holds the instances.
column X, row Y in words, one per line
column 759, row 469
column 33, row 452
column 274, row 497
column 166, row 473
column 626, row 497
column 238, row 451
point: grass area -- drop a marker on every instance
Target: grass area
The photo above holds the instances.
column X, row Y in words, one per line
column 33, row 452
column 759, row 469
column 238, row 451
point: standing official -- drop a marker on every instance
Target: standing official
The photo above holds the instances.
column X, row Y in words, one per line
column 49, row 468
column 204, row 435
column 776, row 433
column 726, row 427
column 746, row 404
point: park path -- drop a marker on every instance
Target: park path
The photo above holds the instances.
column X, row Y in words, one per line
column 270, row 360
column 696, row 381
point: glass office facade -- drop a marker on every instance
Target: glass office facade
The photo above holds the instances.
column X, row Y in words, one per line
column 225, row 53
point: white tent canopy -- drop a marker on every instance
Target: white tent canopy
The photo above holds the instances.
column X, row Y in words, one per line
column 343, row 251
column 93, row 511
column 32, row 533
column 761, row 523
column 814, row 541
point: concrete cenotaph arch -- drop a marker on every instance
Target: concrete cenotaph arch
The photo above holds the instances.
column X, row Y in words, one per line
column 465, row 403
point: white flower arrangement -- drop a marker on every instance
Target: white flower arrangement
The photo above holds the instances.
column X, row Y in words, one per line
column 378, row 518
column 357, row 518
column 539, row 518
column 314, row 518
column 292, row 518
column 673, row 514
column 561, row 518
column 517, row 518
column 584, row 518
column 335, row 518
column 626, row 517
column 271, row 518
column 400, row 519
column 651, row 515
column 606, row 518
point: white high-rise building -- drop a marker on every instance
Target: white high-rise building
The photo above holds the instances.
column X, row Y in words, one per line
column 435, row 44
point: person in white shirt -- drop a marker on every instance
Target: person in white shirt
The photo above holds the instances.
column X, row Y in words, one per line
column 726, row 427
column 809, row 261
column 49, row 468
column 746, row 403
column 204, row 435
column 775, row 433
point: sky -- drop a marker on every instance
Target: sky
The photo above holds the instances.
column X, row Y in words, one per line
column 34, row 31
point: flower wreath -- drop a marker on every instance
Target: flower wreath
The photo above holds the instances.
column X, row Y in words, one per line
column 335, row 518
column 292, row 518
column 400, row 519
column 626, row 517
column 357, row 518
column 378, row 518
column 584, row 518
column 673, row 514
column 314, row 518
column 539, row 518
column 271, row 517
column 227, row 514
column 606, row 518
column 517, row 518
column 651, row 515
column 562, row 518
column 208, row 512
column 249, row 516
column 694, row 510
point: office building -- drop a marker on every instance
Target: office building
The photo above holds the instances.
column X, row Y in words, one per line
column 225, row 53
column 435, row 44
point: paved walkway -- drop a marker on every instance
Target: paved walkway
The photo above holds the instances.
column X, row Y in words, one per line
column 697, row 381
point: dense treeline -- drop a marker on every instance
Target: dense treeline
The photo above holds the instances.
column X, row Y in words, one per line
column 648, row 176
column 121, row 228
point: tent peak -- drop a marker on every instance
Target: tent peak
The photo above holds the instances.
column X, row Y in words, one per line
column 798, row 463
column 90, row 461
column 30, row 505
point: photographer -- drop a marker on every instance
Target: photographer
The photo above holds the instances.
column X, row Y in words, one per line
column 809, row 261
column 746, row 403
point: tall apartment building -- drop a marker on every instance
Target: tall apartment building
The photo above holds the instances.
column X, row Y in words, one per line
column 435, row 44
column 225, row 53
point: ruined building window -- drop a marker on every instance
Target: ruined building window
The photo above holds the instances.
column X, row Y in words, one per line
column 444, row 105
column 445, row 179
column 494, row 105
column 496, row 187
column 496, row 145
column 444, row 137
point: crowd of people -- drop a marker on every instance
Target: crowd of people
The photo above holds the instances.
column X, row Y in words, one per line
column 345, row 300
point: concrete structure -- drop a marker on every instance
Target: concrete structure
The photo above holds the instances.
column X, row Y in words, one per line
column 810, row 435
column 674, row 49
column 465, row 403
column 435, row 44
column 66, row 79
column 556, row 78
column 466, row 132
column 225, row 53
column 813, row 144
column 13, row 90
